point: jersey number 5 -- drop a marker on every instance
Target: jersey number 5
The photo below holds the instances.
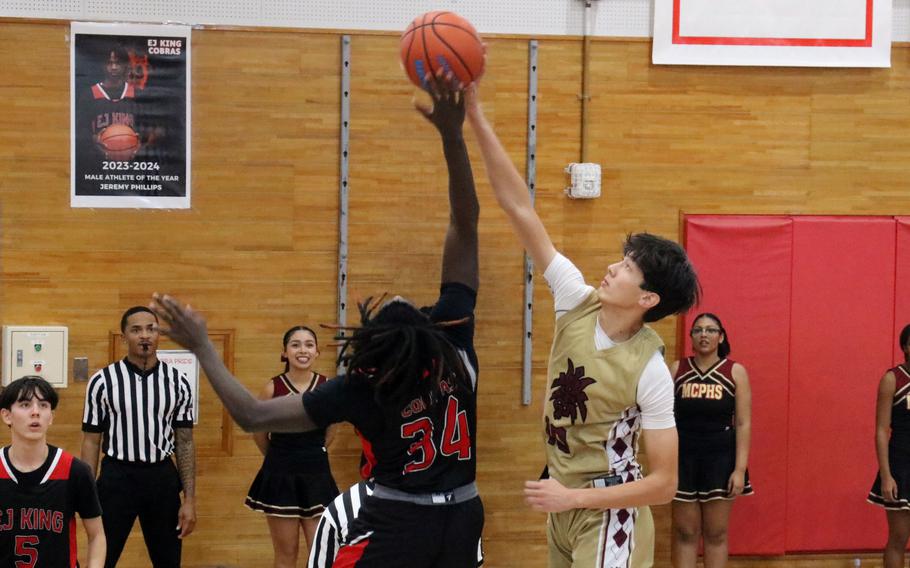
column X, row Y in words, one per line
column 25, row 546
column 456, row 438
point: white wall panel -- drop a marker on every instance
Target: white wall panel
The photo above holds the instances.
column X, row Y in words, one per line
column 900, row 20
column 613, row 18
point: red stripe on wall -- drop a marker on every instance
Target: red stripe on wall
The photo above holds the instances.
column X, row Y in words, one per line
column 843, row 302
column 743, row 263
column 814, row 363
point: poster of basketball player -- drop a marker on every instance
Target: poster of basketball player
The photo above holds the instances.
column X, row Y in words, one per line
column 130, row 120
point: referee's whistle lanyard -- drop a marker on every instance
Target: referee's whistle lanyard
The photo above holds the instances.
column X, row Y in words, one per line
column 143, row 371
column 145, row 358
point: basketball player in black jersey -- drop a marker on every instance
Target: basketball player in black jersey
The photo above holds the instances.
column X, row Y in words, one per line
column 42, row 487
column 411, row 393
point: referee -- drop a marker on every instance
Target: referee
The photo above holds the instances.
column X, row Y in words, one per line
column 144, row 410
column 332, row 530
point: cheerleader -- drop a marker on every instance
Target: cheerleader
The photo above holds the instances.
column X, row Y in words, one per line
column 891, row 489
column 713, row 407
column 295, row 482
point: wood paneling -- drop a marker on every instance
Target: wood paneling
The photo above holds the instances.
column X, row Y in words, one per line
column 257, row 252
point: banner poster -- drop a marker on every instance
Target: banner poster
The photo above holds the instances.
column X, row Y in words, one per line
column 186, row 364
column 806, row 33
column 130, row 119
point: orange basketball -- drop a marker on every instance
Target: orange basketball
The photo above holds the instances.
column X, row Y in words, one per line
column 441, row 40
column 119, row 142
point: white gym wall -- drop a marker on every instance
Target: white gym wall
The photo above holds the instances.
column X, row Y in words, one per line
column 616, row 18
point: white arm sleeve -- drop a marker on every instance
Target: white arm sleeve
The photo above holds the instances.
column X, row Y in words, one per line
column 655, row 395
column 566, row 283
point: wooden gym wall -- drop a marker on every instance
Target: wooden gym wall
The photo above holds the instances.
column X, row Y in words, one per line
column 257, row 252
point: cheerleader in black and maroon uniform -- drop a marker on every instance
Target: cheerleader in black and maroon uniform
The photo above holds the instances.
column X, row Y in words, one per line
column 891, row 489
column 295, row 482
column 713, row 416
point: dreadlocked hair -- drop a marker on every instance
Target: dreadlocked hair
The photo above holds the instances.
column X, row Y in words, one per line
column 400, row 352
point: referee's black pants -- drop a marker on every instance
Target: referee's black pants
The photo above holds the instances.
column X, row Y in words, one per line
column 149, row 491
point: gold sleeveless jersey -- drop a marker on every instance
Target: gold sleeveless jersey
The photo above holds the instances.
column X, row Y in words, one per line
column 591, row 419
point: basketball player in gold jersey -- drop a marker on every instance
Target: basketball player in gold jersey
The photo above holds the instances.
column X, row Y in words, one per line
column 607, row 383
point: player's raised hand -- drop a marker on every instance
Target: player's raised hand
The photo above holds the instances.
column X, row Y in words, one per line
column 179, row 322
column 448, row 110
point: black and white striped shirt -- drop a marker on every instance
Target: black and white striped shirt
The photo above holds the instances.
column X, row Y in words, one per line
column 137, row 411
column 333, row 526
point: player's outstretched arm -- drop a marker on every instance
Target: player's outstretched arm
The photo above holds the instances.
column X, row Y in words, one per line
column 459, row 256
column 262, row 438
column 188, row 328
column 508, row 186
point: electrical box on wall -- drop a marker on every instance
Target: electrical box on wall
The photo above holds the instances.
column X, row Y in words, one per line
column 35, row 350
column 585, row 179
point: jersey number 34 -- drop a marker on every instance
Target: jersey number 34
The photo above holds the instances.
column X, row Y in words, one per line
column 456, row 438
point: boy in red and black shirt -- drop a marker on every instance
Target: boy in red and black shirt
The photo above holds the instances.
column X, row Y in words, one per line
column 42, row 487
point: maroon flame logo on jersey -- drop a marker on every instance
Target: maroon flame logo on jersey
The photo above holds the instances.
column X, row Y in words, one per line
column 568, row 396
column 556, row 436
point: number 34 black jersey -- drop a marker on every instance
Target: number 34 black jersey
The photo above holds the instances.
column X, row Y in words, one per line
column 426, row 446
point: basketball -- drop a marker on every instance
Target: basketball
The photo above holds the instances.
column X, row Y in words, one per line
column 119, row 142
column 441, row 40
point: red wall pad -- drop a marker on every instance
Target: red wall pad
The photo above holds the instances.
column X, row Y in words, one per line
column 902, row 283
column 841, row 321
column 744, row 265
